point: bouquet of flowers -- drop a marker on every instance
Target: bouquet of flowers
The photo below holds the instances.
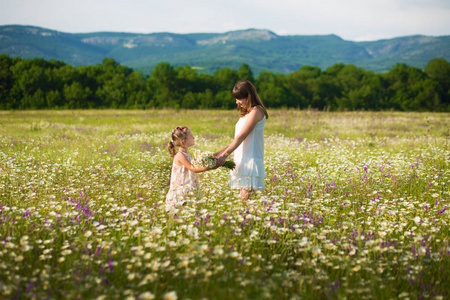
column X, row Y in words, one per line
column 206, row 159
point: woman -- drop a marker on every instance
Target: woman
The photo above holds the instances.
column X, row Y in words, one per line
column 248, row 143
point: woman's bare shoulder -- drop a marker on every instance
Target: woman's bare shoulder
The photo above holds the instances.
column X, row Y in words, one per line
column 258, row 111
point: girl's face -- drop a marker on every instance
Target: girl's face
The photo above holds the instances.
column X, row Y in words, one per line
column 241, row 102
column 190, row 141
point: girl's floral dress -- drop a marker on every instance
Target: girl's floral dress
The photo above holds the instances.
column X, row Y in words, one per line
column 184, row 185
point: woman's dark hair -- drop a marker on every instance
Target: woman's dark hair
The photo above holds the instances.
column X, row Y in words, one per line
column 246, row 90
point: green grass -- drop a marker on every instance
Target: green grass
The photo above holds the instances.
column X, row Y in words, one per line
column 356, row 206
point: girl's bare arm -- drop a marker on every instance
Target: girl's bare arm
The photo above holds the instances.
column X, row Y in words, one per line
column 180, row 159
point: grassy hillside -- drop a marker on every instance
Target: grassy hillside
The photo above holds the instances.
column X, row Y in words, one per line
column 261, row 49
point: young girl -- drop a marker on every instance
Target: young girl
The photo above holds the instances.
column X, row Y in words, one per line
column 184, row 181
column 248, row 143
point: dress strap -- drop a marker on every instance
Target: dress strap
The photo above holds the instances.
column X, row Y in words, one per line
column 185, row 153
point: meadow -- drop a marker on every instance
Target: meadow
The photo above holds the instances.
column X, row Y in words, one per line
column 356, row 207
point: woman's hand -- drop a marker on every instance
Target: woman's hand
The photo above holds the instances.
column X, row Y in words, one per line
column 221, row 161
column 220, row 153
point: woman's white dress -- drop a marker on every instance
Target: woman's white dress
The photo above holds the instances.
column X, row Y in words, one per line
column 249, row 173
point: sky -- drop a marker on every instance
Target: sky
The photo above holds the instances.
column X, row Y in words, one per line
column 356, row 20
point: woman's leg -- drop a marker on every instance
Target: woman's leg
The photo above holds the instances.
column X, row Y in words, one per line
column 243, row 193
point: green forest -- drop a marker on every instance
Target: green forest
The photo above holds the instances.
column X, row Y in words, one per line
column 29, row 84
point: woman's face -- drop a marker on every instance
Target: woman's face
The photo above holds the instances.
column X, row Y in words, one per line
column 241, row 102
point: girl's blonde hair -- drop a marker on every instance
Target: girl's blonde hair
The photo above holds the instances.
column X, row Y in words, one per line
column 246, row 90
column 178, row 135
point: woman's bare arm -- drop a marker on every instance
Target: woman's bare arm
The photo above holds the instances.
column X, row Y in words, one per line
column 221, row 152
column 254, row 117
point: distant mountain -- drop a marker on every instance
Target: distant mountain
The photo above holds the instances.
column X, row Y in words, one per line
column 261, row 49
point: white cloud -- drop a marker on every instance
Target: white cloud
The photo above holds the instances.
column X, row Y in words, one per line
column 369, row 37
column 350, row 19
column 282, row 31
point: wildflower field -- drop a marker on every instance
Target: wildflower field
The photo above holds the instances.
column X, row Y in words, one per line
column 356, row 207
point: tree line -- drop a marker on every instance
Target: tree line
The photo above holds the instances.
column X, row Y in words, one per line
column 41, row 84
